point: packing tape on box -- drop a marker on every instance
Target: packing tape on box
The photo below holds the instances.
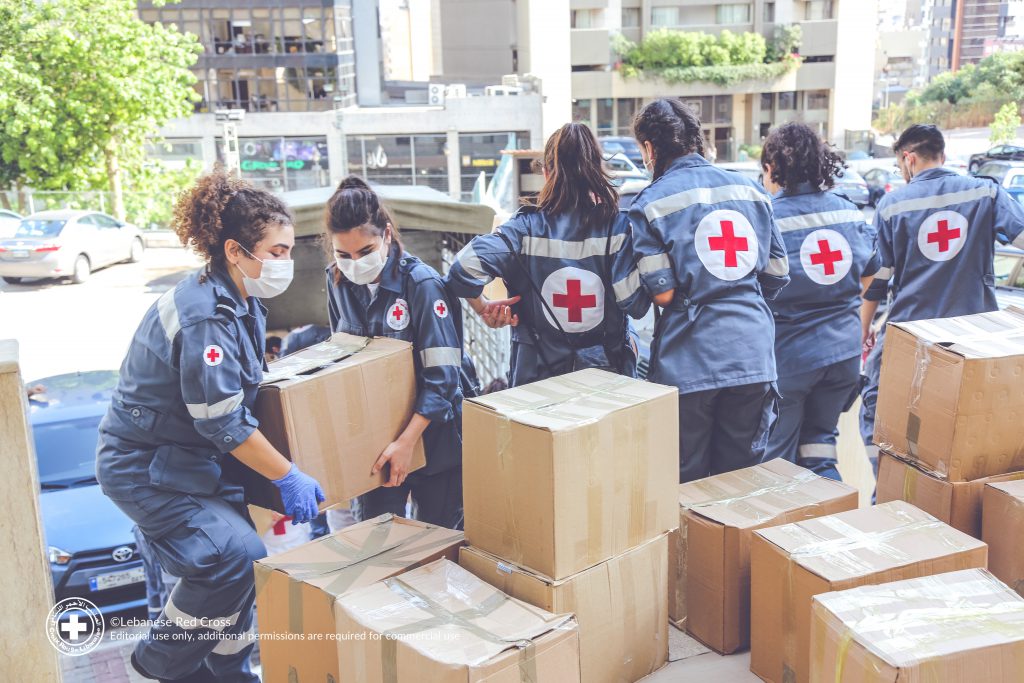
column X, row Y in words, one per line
column 787, row 491
column 579, row 403
column 910, row 475
column 922, row 361
column 442, row 616
column 311, row 358
column 510, row 538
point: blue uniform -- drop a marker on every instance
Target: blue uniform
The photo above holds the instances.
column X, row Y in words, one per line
column 572, row 277
column 304, row 337
column 936, row 241
column 710, row 235
column 183, row 403
column 817, row 322
column 411, row 304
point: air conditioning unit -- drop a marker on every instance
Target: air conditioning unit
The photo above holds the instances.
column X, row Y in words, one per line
column 510, row 80
column 435, row 94
column 456, row 90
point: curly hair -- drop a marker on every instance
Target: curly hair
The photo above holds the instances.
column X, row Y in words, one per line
column 219, row 207
column 672, row 128
column 798, row 155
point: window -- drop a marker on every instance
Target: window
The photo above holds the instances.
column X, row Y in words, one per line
column 605, row 109
column 817, row 99
column 723, row 109
column 734, row 14
column 816, row 10
column 630, row 17
column 769, row 12
column 787, row 101
column 581, row 111
column 627, row 110
column 283, row 163
column 481, row 153
column 587, row 18
column 766, row 101
column 664, row 16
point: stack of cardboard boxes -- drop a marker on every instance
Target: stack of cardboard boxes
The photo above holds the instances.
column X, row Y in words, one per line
column 570, row 490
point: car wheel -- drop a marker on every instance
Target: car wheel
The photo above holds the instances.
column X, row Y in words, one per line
column 11, row 280
column 82, row 269
column 138, row 249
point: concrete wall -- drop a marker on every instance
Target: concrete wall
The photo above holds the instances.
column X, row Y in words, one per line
column 477, row 39
column 855, row 75
column 545, row 52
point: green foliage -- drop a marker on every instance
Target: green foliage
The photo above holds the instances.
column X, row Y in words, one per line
column 750, row 152
column 786, row 42
column 152, row 188
column 1005, row 125
column 687, row 56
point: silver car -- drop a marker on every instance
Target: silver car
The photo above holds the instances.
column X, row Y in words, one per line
column 8, row 223
column 67, row 244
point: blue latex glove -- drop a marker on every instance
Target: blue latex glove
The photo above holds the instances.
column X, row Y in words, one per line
column 300, row 493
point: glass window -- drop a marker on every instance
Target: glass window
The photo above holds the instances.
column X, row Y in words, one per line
column 997, row 171
column 734, row 14
column 66, row 451
column 39, row 228
column 723, row 109
column 431, row 161
column 664, row 16
column 605, row 111
column 787, row 101
column 481, row 153
column 283, row 164
column 766, row 101
column 587, row 18
column 627, row 110
column 630, row 17
column 769, row 12
column 581, row 111
column 818, row 9
column 817, row 99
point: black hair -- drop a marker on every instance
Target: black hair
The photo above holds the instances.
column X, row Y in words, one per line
column 672, row 128
column 922, row 138
column 798, row 155
column 355, row 205
column 576, row 179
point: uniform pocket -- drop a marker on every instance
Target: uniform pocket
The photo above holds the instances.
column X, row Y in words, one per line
column 185, row 470
column 142, row 417
column 186, row 550
column 769, row 418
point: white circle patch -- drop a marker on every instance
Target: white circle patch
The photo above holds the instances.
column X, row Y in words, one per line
column 441, row 308
column 397, row 316
column 726, row 244
column 213, row 355
column 826, row 256
column 942, row 235
column 577, row 298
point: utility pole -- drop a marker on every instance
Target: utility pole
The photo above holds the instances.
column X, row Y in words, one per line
column 229, row 120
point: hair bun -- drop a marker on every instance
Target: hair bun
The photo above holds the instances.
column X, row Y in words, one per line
column 353, row 182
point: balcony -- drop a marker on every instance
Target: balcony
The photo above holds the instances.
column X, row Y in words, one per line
column 590, row 46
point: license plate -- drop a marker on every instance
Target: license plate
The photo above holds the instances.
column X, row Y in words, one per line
column 19, row 253
column 102, row 582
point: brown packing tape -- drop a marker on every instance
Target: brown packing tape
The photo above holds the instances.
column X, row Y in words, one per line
column 776, row 496
column 922, row 360
column 583, row 400
column 641, row 511
column 591, row 545
column 789, row 610
column 528, row 663
column 510, row 539
column 322, row 354
column 910, row 475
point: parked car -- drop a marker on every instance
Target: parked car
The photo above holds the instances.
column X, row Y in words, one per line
column 90, row 545
column 618, row 164
column 958, row 165
column 67, row 244
column 882, row 181
column 997, row 153
column 1009, row 272
column 750, row 169
column 1009, row 174
column 853, row 186
column 8, row 223
column 622, row 145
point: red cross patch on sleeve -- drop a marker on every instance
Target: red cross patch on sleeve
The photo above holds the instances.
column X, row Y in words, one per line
column 213, row 355
column 441, row 308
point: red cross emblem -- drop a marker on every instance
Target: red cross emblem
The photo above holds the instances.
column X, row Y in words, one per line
column 397, row 316
column 440, row 308
column 726, row 244
column 213, row 355
column 729, row 243
column 943, row 235
column 574, row 300
column 279, row 526
column 826, row 258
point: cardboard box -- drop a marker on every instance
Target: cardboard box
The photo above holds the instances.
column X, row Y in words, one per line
column 295, row 589
column 1003, row 530
column 717, row 517
column 957, row 503
column 563, row 474
column 439, row 623
column 949, row 628
column 324, row 409
column 951, row 394
column 620, row 606
column 792, row 563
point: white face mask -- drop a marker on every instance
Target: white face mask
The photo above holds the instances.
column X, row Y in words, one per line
column 275, row 276
column 363, row 271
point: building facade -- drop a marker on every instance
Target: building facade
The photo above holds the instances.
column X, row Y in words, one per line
column 963, row 32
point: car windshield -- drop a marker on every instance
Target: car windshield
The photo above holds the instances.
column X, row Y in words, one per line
column 1016, row 181
column 1003, row 266
column 66, row 451
column 37, row 227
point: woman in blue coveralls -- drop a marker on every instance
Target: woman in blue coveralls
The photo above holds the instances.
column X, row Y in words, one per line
column 376, row 288
column 565, row 260
column 817, row 318
column 708, row 250
column 181, row 420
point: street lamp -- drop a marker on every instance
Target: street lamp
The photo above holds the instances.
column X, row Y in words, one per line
column 229, row 120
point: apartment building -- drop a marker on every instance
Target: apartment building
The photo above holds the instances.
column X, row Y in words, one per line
column 964, row 32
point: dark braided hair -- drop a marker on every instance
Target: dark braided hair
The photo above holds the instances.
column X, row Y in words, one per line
column 672, row 128
column 798, row 155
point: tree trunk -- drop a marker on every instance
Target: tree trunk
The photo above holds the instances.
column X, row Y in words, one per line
column 114, row 176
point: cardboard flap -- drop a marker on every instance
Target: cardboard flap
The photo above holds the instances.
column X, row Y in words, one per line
column 756, row 495
column 449, row 615
column 866, row 541
column 907, row 622
column 332, row 353
column 1010, row 488
column 572, row 400
column 984, row 335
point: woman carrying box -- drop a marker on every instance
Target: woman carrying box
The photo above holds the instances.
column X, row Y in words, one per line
column 376, row 288
column 181, row 420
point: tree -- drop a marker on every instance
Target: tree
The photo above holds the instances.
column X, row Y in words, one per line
column 1004, row 127
column 83, row 84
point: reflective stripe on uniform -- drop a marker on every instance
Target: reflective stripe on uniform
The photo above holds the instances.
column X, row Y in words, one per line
column 470, row 262
column 232, row 644
column 572, row 250
column 627, row 286
column 938, row 201
column 653, row 263
column 665, row 206
column 816, row 450
column 203, row 411
column 818, row 220
column 167, row 309
column 187, row 622
column 883, row 274
column 441, row 355
column 778, row 266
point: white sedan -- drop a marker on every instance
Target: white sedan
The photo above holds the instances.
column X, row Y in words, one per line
column 67, row 244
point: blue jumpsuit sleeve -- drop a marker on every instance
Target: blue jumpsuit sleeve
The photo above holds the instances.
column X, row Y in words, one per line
column 775, row 274
column 213, row 393
column 874, row 262
column 879, row 287
column 483, row 259
column 650, row 253
column 1009, row 219
column 333, row 314
column 630, row 296
column 438, row 349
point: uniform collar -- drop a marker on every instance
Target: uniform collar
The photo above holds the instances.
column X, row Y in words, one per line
column 688, row 161
column 226, row 292
column 931, row 173
column 802, row 188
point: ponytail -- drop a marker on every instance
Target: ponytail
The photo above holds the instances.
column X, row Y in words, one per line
column 672, row 128
column 576, row 180
column 355, row 205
